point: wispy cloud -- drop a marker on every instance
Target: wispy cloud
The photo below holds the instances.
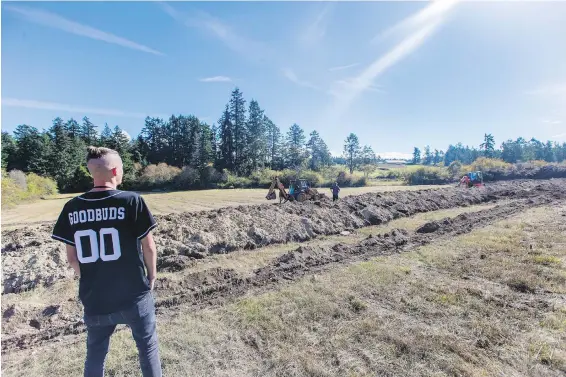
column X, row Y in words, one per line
column 84, row 110
column 551, row 121
column 342, row 67
column 216, row 79
column 291, row 76
column 317, row 29
column 552, row 90
column 55, row 21
column 224, row 33
column 342, row 87
column 561, row 136
column 432, row 13
column 404, row 48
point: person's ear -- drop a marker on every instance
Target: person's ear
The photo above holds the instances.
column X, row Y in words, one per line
column 114, row 172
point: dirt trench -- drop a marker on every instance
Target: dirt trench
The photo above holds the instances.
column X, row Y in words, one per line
column 31, row 258
column 218, row 286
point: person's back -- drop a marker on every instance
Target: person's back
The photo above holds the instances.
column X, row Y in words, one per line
column 105, row 227
column 335, row 190
column 110, row 246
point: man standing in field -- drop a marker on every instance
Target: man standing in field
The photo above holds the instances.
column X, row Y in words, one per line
column 109, row 242
column 335, row 190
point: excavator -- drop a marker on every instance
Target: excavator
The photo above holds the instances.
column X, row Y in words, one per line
column 299, row 190
column 472, row 179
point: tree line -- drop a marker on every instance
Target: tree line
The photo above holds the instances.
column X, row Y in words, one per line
column 244, row 140
column 511, row 151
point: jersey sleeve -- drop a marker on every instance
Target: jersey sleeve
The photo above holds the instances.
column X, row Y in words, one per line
column 143, row 220
column 63, row 231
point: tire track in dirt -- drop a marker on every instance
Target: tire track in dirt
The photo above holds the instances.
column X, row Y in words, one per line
column 31, row 258
column 219, row 286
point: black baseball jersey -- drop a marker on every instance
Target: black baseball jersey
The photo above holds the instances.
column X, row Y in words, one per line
column 106, row 228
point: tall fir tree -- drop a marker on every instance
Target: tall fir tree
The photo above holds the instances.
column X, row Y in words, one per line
column 416, row 156
column 226, row 141
column 238, row 119
column 296, row 150
column 73, row 128
column 488, row 145
column 256, row 145
column 352, row 151
column 318, row 151
column 274, row 145
column 88, row 132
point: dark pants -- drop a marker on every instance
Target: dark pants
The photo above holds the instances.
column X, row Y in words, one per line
column 334, row 197
column 141, row 320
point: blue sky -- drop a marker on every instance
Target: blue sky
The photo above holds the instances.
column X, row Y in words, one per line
column 398, row 74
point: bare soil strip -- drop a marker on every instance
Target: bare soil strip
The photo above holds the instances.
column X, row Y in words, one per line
column 30, row 258
column 218, row 286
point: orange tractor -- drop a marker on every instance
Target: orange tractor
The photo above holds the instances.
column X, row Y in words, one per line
column 299, row 190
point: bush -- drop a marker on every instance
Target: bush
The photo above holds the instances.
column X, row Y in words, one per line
column 485, row 164
column 158, row 176
column 40, row 187
column 455, row 168
column 187, row 178
column 428, row 176
column 36, row 187
column 19, row 178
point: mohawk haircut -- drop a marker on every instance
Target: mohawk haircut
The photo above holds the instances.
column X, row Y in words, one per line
column 99, row 152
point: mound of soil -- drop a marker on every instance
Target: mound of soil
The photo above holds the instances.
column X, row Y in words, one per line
column 30, row 257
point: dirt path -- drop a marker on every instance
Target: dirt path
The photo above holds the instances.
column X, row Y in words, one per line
column 162, row 203
column 219, row 286
column 30, row 258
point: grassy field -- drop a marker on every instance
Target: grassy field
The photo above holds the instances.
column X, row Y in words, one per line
column 171, row 202
column 487, row 303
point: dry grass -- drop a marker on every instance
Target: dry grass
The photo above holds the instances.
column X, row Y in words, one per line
column 173, row 202
column 453, row 308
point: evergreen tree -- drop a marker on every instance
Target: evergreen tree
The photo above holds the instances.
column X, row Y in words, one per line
column 427, row 156
column 488, row 145
column 238, row 119
column 368, row 155
column 274, row 145
column 318, row 150
column 256, row 145
column 296, row 151
column 436, row 157
column 352, row 151
column 73, row 128
column 416, row 156
column 226, row 141
column 88, row 132
column 106, row 137
column 60, row 165
column 9, row 150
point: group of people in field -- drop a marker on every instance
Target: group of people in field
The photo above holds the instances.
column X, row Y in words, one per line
column 108, row 237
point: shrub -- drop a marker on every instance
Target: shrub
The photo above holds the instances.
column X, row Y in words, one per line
column 428, row 176
column 19, row 178
column 40, row 187
column 455, row 168
column 485, row 164
column 36, row 187
column 234, row 181
column 160, row 175
column 188, row 178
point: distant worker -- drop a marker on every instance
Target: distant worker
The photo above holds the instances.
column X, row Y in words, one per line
column 109, row 243
column 335, row 190
column 291, row 189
